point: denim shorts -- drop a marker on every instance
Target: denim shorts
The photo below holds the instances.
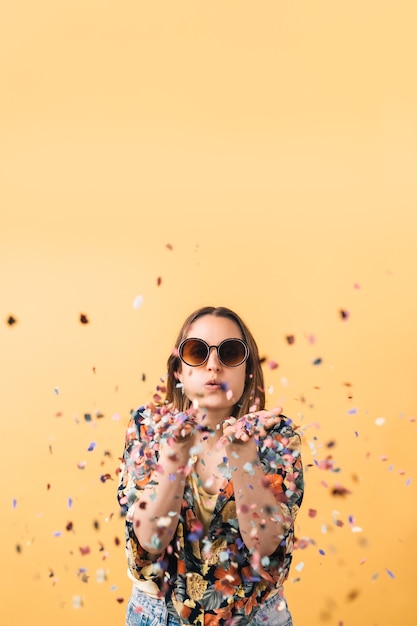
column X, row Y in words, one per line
column 274, row 612
column 142, row 610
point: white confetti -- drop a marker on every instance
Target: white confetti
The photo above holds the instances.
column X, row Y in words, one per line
column 137, row 302
column 380, row 421
column 77, row 602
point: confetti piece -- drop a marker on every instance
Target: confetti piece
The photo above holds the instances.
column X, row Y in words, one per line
column 137, row 302
column 92, row 446
column 83, row 318
column 14, row 503
column 322, row 552
column 77, row 602
column 272, row 364
column 339, row 490
column 390, row 574
column 312, row 512
column 248, row 467
column 299, row 567
column 344, row 314
column 352, row 411
column 84, row 550
column 11, row 320
column 87, row 417
column 318, row 361
column 56, row 391
column 380, row 421
column 101, row 575
column 290, row 339
column 159, row 281
column 82, row 464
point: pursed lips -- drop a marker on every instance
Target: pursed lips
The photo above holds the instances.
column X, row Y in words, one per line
column 214, row 385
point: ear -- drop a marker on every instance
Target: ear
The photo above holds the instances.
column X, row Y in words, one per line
column 178, row 376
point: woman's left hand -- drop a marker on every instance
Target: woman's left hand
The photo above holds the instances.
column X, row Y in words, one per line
column 254, row 423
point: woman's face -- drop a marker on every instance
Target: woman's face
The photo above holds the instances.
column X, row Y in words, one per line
column 214, row 386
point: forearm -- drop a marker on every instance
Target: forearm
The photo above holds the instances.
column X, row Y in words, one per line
column 157, row 511
column 259, row 514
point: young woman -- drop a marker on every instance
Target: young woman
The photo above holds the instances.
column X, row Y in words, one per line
column 210, row 485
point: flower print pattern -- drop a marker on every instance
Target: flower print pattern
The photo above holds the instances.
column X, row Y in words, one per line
column 208, row 580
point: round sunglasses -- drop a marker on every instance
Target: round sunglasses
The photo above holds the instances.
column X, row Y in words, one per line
column 195, row 352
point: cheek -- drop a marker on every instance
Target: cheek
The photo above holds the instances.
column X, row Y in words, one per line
column 239, row 382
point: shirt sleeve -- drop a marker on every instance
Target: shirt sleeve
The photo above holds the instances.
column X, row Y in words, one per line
column 140, row 457
column 280, row 454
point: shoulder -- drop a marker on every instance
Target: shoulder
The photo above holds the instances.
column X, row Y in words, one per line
column 284, row 436
column 285, row 428
column 137, row 421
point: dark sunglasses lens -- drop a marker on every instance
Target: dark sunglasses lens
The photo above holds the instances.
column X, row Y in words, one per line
column 194, row 352
column 232, row 352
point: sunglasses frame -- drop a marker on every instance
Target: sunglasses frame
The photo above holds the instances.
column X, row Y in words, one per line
column 209, row 348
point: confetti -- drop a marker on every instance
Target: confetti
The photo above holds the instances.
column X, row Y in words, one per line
column 272, row 364
column 380, row 421
column 290, row 339
column 344, row 314
column 84, row 319
column 92, row 446
column 137, row 302
column 11, row 320
column 390, row 574
column 318, row 361
column 77, row 602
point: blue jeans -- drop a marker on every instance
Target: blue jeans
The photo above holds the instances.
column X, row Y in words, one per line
column 273, row 612
column 142, row 610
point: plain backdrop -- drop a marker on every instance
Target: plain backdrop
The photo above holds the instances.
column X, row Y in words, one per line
column 159, row 156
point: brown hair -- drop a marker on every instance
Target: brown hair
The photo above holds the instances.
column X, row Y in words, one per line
column 253, row 394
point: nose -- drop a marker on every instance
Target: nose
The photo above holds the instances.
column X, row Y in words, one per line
column 213, row 362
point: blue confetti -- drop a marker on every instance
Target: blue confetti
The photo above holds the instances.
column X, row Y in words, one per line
column 390, row 574
column 91, row 446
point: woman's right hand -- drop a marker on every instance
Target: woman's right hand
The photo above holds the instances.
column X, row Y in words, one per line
column 173, row 426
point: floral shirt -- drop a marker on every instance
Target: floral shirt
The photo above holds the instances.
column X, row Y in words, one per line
column 207, row 580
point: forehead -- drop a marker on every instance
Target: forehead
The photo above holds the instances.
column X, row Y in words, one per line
column 214, row 329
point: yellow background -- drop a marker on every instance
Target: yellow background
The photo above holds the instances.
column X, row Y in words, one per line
column 261, row 156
